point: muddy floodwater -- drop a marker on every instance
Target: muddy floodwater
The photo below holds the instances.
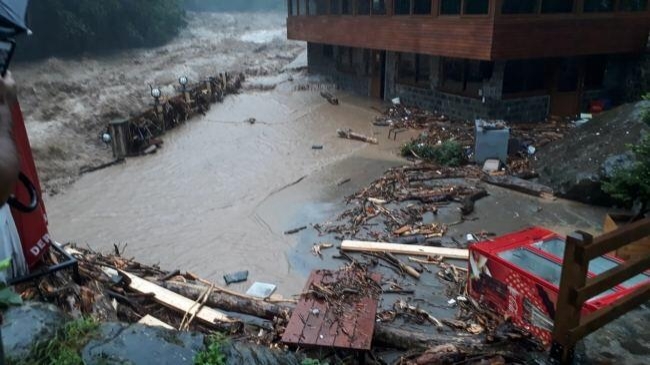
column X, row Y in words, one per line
column 203, row 202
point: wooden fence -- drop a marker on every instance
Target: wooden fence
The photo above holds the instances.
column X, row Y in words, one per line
column 576, row 288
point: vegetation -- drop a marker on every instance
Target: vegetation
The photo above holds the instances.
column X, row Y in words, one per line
column 449, row 153
column 66, row 346
column 7, row 295
column 229, row 5
column 213, row 353
column 632, row 185
column 312, row 362
column 74, row 27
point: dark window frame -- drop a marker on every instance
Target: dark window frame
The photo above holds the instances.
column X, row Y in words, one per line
column 468, row 88
column 420, row 79
column 621, row 4
column 345, row 54
column 373, row 10
column 595, row 10
column 528, row 67
column 358, row 9
column 462, row 11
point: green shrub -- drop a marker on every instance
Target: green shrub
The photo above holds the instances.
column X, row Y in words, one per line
column 7, row 295
column 448, row 153
column 213, row 353
column 66, row 346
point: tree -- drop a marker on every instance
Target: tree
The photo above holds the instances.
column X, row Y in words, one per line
column 74, row 27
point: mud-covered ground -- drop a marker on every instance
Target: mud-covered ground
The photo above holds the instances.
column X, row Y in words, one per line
column 68, row 102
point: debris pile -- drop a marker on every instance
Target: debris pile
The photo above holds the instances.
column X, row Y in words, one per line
column 400, row 198
column 526, row 138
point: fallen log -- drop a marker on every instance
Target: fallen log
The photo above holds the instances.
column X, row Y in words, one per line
column 180, row 303
column 361, row 246
column 227, row 302
column 407, row 339
column 467, row 204
column 520, row 185
column 349, row 134
column 330, row 98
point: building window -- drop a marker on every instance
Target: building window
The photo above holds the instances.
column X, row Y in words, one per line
column 557, row 6
column 363, row 7
column 450, row 7
column 347, row 7
column 402, row 7
column 413, row 69
column 422, row 7
column 595, row 67
column 328, row 51
column 335, row 7
column 321, row 7
column 519, row 6
column 633, row 5
column 598, row 6
column 464, row 76
column 521, row 76
column 344, row 60
column 379, row 7
column 302, row 7
column 311, row 8
column 475, row 7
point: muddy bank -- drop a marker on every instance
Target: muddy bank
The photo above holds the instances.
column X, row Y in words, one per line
column 67, row 103
column 591, row 153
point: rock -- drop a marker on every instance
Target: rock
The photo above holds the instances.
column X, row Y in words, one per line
column 139, row 344
column 27, row 325
column 239, row 353
column 615, row 162
column 574, row 167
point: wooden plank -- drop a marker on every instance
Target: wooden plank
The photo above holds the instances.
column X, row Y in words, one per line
column 152, row 321
column 612, row 277
column 312, row 330
column 365, row 325
column 294, row 332
column 175, row 301
column 520, row 185
column 614, row 240
column 601, row 317
column 413, row 250
column 574, row 275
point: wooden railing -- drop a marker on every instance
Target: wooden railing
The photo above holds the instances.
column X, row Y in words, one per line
column 576, row 288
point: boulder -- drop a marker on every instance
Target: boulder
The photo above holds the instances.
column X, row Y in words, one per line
column 576, row 165
column 140, row 344
column 27, row 325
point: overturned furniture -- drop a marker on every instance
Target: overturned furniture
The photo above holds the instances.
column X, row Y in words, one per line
column 530, row 276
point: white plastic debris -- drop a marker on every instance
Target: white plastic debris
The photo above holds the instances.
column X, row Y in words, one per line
column 396, row 101
column 451, row 302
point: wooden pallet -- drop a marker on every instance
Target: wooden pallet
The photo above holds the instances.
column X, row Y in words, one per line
column 308, row 327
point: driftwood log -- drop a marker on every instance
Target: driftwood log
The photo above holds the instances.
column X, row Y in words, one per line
column 330, row 98
column 385, row 334
column 349, row 134
column 520, row 185
column 228, row 302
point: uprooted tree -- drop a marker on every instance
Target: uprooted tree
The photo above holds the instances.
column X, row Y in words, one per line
column 631, row 185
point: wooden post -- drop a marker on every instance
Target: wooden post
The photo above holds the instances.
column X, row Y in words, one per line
column 567, row 314
column 120, row 138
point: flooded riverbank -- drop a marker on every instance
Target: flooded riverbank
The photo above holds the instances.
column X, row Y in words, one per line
column 194, row 205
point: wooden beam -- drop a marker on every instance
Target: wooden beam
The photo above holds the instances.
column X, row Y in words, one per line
column 574, row 276
column 611, row 278
column 413, row 250
column 616, row 239
column 174, row 301
column 152, row 321
column 601, row 317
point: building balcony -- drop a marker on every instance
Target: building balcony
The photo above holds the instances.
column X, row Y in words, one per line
column 476, row 29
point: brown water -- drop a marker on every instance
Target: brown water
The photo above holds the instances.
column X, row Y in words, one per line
column 202, row 203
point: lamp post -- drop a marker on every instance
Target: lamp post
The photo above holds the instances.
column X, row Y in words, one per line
column 183, row 81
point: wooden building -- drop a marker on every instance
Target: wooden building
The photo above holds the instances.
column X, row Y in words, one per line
column 511, row 59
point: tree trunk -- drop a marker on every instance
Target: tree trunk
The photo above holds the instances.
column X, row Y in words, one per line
column 520, row 185
column 228, row 302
